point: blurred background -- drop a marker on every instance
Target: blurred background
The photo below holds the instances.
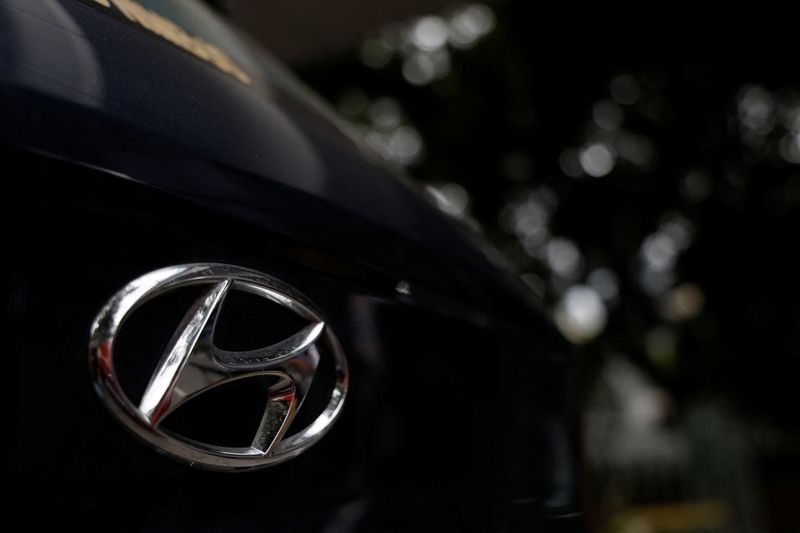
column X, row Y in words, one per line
column 641, row 176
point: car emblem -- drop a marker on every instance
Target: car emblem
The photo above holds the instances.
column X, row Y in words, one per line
column 192, row 364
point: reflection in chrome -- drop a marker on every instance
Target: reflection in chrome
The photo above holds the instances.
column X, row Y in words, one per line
column 191, row 365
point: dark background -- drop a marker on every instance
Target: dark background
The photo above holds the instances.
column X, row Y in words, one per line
column 639, row 170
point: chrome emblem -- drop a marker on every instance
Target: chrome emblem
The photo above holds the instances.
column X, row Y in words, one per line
column 192, row 364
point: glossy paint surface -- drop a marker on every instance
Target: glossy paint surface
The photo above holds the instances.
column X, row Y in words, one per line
column 123, row 154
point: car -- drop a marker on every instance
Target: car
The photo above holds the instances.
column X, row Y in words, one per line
column 224, row 311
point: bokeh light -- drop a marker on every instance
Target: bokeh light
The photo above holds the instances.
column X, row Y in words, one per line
column 581, row 315
column 597, row 159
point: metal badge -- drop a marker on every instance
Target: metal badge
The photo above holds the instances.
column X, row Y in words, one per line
column 192, row 364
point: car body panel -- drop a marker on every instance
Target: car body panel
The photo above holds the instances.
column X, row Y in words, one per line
column 125, row 154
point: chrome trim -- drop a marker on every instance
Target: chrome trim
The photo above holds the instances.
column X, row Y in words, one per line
column 191, row 365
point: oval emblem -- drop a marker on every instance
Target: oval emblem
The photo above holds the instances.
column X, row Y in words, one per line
column 192, row 364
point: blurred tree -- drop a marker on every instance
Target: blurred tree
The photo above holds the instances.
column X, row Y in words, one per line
column 644, row 183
